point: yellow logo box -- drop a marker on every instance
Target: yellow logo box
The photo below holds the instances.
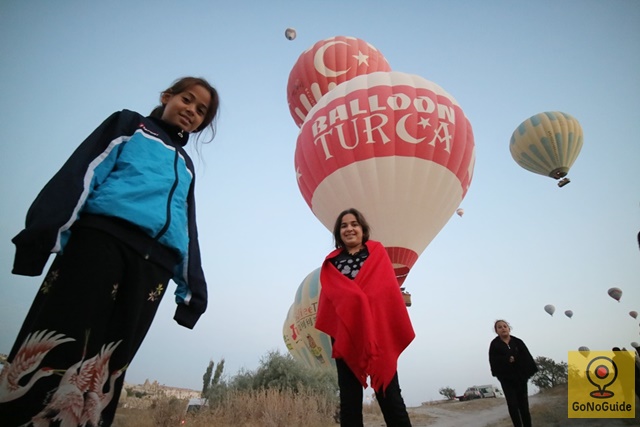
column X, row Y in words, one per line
column 601, row 384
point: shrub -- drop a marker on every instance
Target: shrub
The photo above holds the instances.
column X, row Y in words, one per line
column 448, row 392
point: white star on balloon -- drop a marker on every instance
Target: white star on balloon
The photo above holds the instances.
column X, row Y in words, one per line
column 424, row 122
column 298, row 174
column 361, row 57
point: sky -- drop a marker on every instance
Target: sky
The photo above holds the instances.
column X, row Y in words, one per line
column 521, row 244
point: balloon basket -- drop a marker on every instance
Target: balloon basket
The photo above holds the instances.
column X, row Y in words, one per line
column 563, row 182
column 407, row 298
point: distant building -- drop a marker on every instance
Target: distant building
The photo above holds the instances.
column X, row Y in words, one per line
column 143, row 395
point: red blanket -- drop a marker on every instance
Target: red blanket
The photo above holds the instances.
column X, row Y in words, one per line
column 366, row 317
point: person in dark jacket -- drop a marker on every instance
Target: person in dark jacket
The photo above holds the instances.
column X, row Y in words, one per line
column 120, row 215
column 512, row 363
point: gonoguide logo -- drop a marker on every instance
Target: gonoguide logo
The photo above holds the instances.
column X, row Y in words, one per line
column 601, row 384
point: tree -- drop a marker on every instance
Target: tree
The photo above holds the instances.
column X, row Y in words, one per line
column 279, row 372
column 282, row 372
column 448, row 392
column 217, row 376
column 550, row 373
column 206, row 379
column 213, row 386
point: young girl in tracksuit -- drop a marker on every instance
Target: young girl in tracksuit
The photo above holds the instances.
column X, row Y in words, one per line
column 120, row 215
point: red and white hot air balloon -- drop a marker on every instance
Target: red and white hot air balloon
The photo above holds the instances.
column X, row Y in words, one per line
column 393, row 145
column 326, row 64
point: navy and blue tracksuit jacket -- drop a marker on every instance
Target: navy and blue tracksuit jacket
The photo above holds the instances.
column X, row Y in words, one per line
column 133, row 179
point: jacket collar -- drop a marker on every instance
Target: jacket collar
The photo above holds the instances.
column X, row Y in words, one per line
column 177, row 135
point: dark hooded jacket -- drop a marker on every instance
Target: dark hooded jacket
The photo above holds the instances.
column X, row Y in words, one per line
column 522, row 368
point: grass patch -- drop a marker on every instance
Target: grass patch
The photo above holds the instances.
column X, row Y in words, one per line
column 265, row 408
column 271, row 408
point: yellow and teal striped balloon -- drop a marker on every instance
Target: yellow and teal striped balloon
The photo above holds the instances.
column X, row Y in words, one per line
column 305, row 343
column 547, row 144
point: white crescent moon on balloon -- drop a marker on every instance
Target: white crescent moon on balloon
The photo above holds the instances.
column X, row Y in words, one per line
column 318, row 61
column 401, row 131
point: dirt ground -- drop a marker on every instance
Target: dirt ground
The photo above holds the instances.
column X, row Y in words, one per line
column 547, row 409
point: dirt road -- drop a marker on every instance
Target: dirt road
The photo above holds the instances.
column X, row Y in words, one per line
column 478, row 413
column 547, row 408
column 491, row 412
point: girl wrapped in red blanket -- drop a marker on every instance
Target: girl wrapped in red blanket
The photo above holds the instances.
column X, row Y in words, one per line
column 362, row 309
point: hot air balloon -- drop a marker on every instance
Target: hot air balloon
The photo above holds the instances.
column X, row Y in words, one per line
column 547, row 144
column 549, row 308
column 393, row 145
column 305, row 343
column 633, row 314
column 460, row 212
column 584, row 351
column 635, row 344
column 615, row 293
column 290, row 33
column 326, row 64
column 568, row 313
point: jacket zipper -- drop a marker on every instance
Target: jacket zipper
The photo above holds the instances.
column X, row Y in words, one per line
column 169, row 199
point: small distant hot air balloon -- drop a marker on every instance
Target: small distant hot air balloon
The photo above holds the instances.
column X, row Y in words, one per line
column 460, row 211
column 615, row 293
column 290, row 33
column 547, row 144
column 549, row 308
column 584, row 350
column 568, row 313
column 635, row 344
column 633, row 314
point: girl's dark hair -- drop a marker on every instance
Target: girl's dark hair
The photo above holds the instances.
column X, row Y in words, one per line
column 185, row 83
column 338, row 225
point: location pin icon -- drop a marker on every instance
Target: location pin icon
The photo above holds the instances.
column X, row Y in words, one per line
column 602, row 372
